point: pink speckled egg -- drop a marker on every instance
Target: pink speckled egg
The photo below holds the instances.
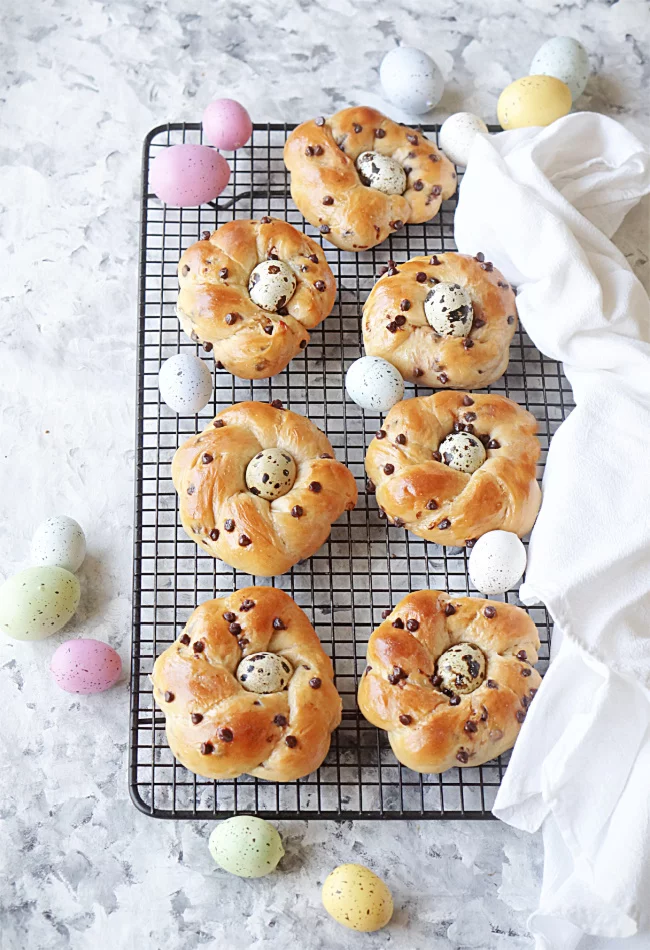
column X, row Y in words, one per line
column 86, row 666
column 188, row 175
column 226, row 124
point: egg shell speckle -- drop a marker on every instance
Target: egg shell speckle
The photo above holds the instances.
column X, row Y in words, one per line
column 271, row 285
column 457, row 135
column 411, row 80
column 567, row 60
column 271, row 474
column 533, row 101
column 462, row 668
column 185, row 383
column 264, row 673
column 37, row 602
column 356, row 898
column 227, row 124
column 462, row 451
column 448, row 309
column 246, row 846
column 188, row 175
column 497, row 562
column 85, row 666
column 374, row 384
column 60, row 541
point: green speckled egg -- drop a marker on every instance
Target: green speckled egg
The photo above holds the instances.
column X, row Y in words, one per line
column 246, row 846
column 38, row 602
column 355, row 897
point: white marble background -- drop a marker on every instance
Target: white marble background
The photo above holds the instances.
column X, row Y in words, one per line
column 84, row 80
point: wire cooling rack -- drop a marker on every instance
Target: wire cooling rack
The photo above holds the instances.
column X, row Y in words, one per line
column 365, row 567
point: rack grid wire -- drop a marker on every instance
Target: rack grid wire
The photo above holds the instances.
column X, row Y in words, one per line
column 365, row 567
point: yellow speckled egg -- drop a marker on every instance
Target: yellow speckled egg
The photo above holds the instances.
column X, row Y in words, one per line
column 533, row 100
column 357, row 898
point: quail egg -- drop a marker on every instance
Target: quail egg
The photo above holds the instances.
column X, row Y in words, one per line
column 38, row 602
column 411, row 80
column 461, row 668
column 185, row 383
column 457, row 136
column 381, row 172
column 60, row 541
column 271, row 474
column 533, row 100
column 448, row 308
column 271, row 284
column 264, row 673
column 374, row 384
column 246, row 846
column 497, row 562
column 356, row 898
column 566, row 59
column 462, row 451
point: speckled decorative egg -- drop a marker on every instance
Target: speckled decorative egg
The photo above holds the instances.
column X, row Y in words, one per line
column 374, row 384
column 567, row 60
column 86, row 666
column 226, row 124
column 461, row 668
column 185, row 383
column 38, row 602
column 462, row 451
column 411, row 80
column 497, row 562
column 457, row 135
column 381, row 172
column 188, row 175
column 59, row 541
column 271, row 474
column 448, row 309
column 271, row 285
column 264, row 673
column 356, row 898
column 246, row 846
column 533, row 100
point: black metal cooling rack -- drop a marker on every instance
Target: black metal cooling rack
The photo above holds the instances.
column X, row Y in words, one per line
column 365, row 567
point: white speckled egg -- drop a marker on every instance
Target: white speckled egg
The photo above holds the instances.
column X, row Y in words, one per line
column 374, row 384
column 448, row 309
column 271, row 285
column 381, row 172
column 271, row 474
column 185, row 383
column 59, row 541
column 567, row 60
column 38, row 602
column 246, row 846
column 86, row 666
column 264, row 673
column 356, row 898
column 457, row 135
column 497, row 562
column 461, row 668
column 411, row 80
column 462, row 451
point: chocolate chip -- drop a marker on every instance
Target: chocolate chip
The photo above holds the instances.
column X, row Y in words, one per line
column 231, row 318
column 417, row 372
column 207, row 346
column 532, row 692
column 490, row 612
column 229, row 616
column 280, row 720
column 320, row 120
column 479, row 257
column 405, row 719
column 315, row 487
column 278, row 624
column 218, row 423
column 244, row 540
column 277, row 404
column 185, row 639
column 462, row 756
column 191, row 490
column 454, row 701
column 398, row 623
column 413, row 139
column 169, row 697
column 268, row 329
column 309, row 151
column 225, row 734
column 328, row 200
column 435, row 261
column 223, row 273
column 400, row 439
column 229, row 524
column 247, row 604
column 457, row 427
column 478, row 323
column 437, row 457
column 380, row 133
column 412, row 625
column 491, row 684
column 443, row 377
column 186, row 270
column 493, row 444
column 325, row 455
column 380, row 434
column 469, row 416
column 356, row 127
column 291, row 741
column 205, row 235
column 206, row 458
column 436, row 190
column 511, row 320
column 444, row 524
column 396, row 225
column 196, row 718
column 265, row 220
column 392, row 327
column 418, row 185
column 526, row 671
column 207, row 748
column 522, row 655
column 234, row 628
column 470, row 726
column 303, row 344
column 520, row 715
column 436, row 680
column 243, row 643
column 487, row 266
column 431, row 505
column 449, row 610
column 370, row 487
column 198, row 646
column 297, row 511
column 389, row 469
column 421, row 277
column 467, row 343
column 393, row 679
column 313, row 258
column 324, row 229
column 386, row 613
column 315, row 682
column 318, row 149
column 319, row 285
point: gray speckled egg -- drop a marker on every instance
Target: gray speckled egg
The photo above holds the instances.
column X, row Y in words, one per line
column 374, row 384
column 567, row 60
column 448, row 309
column 461, row 668
column 411, row 80
column 381, row 172
column 271, row 285
column 462, row 451
column 246, row 846
column 271, row 474
column 457, row 136
column 60, row 541
column 264, row 673
column 38, row 602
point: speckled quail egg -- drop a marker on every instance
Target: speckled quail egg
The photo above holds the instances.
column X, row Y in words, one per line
column 461, row 668
column 246, row 846
column 566, row 59
column 497, row 562
column 271, row 474
column 381, row 172
column 38, row 602
column 271, row 284
column 411, row 80
column 448, row 309
column 356, row 898
column 264, row 673
column 374, row 384
column 457, row 135
column 59, row 541
column 185, row 383
column 462, row 451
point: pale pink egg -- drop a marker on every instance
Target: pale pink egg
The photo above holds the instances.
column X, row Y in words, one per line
column 86, row 666
column 188, row 175
column 226, row 124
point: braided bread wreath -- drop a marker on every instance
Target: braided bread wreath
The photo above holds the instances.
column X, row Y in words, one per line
column 248, row 688
column 260, row 487
column 269, row 258
column 473, row 318
column 450, row 679
column 337, row 164
column 416, row 459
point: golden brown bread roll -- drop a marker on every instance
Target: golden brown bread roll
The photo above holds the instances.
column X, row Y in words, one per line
column 216, row 724
column 234, row 520
column 215, row 307
column 450, row 679
column 328, row 190
column 424, row 492
column 468, row 353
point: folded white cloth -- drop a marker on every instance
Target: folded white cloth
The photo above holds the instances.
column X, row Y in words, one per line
column 542, row 205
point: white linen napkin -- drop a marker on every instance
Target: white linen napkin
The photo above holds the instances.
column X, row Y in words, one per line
column 542, row 205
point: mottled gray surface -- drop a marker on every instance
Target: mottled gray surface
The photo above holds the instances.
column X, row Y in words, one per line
column 79, row 867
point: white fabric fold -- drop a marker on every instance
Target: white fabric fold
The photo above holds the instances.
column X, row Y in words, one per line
column 542, row 204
